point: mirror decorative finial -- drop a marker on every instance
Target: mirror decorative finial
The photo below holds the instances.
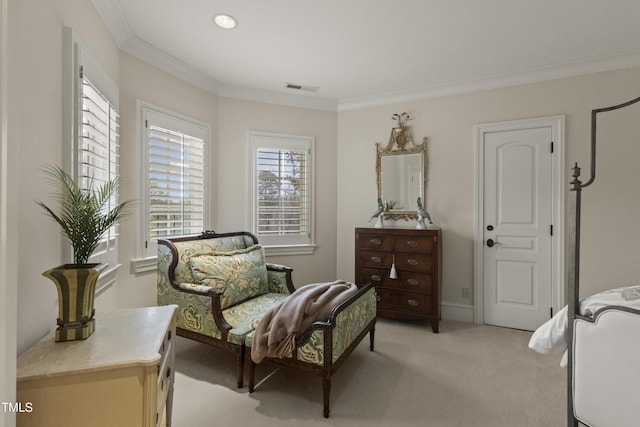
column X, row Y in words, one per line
column 400, row 135
column 401, row 171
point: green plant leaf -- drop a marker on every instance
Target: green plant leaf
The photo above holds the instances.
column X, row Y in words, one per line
column 84, row 215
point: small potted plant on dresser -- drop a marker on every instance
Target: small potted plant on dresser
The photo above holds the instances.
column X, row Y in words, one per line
column 84, row 217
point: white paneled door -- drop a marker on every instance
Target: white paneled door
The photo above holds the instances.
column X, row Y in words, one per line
column 518, row 226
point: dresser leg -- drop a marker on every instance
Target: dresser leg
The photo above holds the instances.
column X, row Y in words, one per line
column 434, row 326
column 169, row 406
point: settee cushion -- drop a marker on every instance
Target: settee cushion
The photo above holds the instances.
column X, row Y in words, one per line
column 244, row 317
column 238, row 275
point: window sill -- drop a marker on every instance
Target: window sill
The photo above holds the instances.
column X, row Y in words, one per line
column 143, row 265
column 278, row 250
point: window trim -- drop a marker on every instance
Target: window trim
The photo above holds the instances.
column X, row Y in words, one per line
column 282, row 141
column 144, row 262
column 75, row 56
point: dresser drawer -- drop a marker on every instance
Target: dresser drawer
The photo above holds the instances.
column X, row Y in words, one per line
column 165, row 363
column 164, row 383
column 376, row 241
column 165, row 368
column 406, row 302
column 414, row 262
column 370, row 258
column 405, row 261
column 407, row 280
column 414, row 244
column 164, row 347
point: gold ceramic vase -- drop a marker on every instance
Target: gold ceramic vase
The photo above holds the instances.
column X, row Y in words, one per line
column 76, row 293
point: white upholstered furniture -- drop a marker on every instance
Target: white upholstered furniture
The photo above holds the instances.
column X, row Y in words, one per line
column 606, row 368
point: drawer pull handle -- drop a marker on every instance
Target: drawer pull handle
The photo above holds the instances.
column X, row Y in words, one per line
column 378, row 298
column 412, row 302
column 376, row 242
column 376, row 278
column 412, row 261
column 412, row 282
column 412, row 243
column 376, row 259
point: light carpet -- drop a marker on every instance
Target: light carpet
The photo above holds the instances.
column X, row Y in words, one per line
column 467, row 375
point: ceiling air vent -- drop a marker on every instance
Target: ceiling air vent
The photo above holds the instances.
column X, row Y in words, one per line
column 306, row 88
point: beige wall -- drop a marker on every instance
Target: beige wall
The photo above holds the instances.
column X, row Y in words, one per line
column 230, row 120
column 140, row 81
column 611, row 213
column 8, row 213
column 235, row 119
column 448, row 123
column 38, row 100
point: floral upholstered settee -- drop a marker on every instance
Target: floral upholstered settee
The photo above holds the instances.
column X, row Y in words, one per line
column 222, row 286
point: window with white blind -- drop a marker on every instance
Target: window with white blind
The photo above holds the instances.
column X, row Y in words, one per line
column 97, row 151
column 282, row 191
column 175, row 176
column 91, row 156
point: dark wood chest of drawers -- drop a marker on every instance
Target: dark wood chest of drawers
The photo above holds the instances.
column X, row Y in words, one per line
column 415, row 293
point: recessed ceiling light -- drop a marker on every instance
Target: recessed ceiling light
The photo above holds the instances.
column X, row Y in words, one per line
column 225, row 21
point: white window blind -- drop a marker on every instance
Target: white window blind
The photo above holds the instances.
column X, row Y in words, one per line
column 282, row 189
column 282, row 192
column 97, row 151
column 175, row 178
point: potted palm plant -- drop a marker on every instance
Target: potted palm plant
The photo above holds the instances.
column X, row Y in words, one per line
column 84, row 217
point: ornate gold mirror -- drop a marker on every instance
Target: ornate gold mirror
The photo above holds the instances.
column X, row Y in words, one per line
column 401, row 172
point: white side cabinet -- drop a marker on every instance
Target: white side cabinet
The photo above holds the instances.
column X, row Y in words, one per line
column 122, row 375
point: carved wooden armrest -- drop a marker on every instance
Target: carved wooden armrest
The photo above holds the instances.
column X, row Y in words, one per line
column 216, row 308
column 280, row 274
column 330, row 324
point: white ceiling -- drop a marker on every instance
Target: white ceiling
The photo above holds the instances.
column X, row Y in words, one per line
column 370, row 52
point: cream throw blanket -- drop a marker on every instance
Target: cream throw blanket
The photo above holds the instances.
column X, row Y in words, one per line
column 276, row 333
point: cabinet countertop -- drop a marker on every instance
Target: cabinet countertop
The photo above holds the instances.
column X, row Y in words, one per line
column 130, row 337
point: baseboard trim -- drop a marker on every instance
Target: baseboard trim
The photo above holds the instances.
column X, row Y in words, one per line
column 457, row 312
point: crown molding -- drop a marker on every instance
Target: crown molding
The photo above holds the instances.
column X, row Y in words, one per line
column 272, row 97
column 116, row 23
column 154, row 56
column 113, row 19
column 628, row 60
column 120, row 30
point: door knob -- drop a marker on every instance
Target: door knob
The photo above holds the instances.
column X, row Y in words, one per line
column 490, row 243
